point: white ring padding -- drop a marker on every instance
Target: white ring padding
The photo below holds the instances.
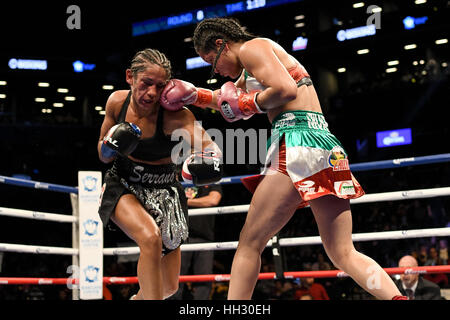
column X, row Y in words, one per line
column 19, row 213
column 367, row 198
column 301, row 241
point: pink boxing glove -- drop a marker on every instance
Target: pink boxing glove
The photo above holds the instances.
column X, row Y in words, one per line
column 179, row 93
column 235, row 104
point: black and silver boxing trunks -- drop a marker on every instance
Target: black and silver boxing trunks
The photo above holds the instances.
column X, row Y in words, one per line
column 159, row 192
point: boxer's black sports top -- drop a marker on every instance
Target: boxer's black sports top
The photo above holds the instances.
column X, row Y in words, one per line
column 153, row 148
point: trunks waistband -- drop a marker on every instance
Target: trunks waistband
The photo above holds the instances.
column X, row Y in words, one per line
column 300, row 119
column 145, row 174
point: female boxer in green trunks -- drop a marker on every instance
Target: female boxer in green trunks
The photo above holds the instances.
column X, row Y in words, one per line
column 305, row 165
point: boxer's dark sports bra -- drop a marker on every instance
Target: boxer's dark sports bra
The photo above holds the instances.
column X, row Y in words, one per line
column 153, row 148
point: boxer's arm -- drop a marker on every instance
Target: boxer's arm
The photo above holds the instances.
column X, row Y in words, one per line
column 202, row 157
column 199, row 139
column 108, row 122
column 204, row 165
column 213, row 104
column 258, row 58
column 208, row 102
column 211, row 200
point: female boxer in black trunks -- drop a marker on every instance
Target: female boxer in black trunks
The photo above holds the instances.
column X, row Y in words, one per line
column 141, row 193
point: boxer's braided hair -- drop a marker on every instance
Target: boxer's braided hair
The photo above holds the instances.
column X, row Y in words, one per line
column 209, row 30
column 142, row 58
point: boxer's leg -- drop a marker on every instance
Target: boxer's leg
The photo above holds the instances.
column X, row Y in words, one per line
column 273, row 204
column 334, row 220
column 170, row 268
column 134, row 220
column 171, row 264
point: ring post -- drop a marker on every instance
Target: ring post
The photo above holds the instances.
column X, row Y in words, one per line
column 276, row 253
column 75, row 242
column 90, row 235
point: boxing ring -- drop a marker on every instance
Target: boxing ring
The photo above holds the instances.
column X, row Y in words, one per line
column 275, row 243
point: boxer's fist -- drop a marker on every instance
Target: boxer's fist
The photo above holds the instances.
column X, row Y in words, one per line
column 121, row 138
column 177, row 94
column 202, row 168
column 235, row 104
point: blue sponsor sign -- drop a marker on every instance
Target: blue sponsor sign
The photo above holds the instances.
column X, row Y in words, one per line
column 299, row 44
column 79, row 66
column 358, row 32
column 27, row 64
column 411, row 22
column 196, row 62
column 393, row 138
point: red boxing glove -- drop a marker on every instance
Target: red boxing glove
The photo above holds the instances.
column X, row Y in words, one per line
column 235, row 104
column 179, row 93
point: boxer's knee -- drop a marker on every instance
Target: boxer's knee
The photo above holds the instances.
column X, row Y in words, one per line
column 253, row 239
column 170, row 288
column 340, row 255
column 149, row 241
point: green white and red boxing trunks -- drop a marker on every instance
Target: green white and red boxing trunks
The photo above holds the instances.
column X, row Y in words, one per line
column 302, row 147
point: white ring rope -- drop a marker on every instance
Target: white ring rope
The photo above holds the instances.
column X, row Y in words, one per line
column 376, row 197
column 403, row 195
column 300, row 241
column 367, row 198
column 19, row 213
column 24, row 248
column 229, row 245
column 373, row 236
column 219, row 210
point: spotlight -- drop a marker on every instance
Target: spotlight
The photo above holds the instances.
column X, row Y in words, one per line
column 410, row 46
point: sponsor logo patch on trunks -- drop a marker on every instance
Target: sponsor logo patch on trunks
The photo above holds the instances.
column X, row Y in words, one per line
column 345, row 187
column 336, row 154
column 341, row 165
column 306, row 186
column 316, row 121
column 287, row 120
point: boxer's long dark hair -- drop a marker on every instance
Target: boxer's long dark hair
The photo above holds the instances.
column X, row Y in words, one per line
column 142, row 58
column 209, row 30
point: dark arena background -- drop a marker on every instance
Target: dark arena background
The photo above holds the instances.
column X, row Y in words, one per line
column 381, row 72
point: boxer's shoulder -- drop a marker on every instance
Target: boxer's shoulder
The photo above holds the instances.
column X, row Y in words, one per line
column 117, row 97
column 115, row 102
column 178, row 119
